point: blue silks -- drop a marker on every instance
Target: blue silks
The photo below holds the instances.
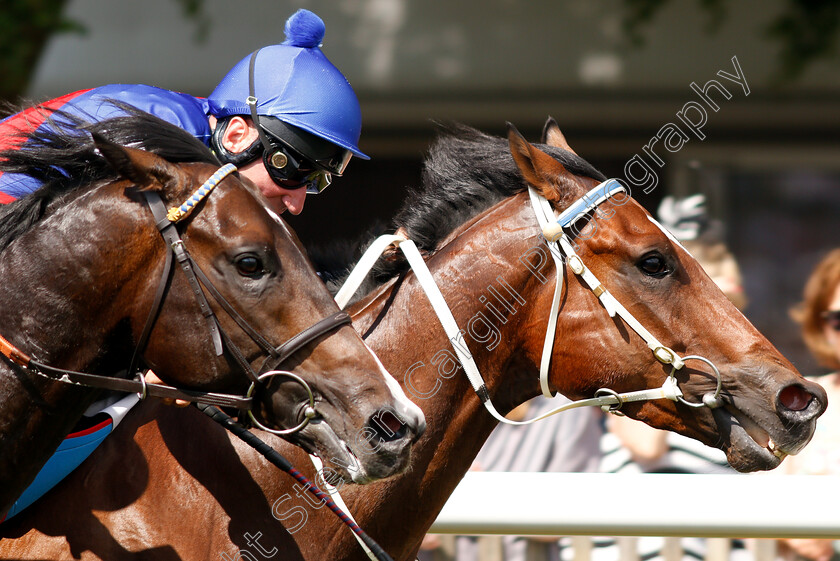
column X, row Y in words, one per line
column 185, row 111
column 72, row 452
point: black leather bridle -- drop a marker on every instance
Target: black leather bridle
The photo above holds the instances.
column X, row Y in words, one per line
column 275, row 355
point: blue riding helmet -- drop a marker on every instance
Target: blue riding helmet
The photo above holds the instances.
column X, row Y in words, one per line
column 294, row 84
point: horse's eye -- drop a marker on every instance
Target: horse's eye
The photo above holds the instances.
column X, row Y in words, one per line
column 249, row 265
column 654, row 265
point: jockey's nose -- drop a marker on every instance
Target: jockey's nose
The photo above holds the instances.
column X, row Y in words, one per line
column 294, row 200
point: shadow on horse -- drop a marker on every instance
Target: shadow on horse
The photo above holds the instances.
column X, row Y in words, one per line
column 83, row 289
column 486, row 251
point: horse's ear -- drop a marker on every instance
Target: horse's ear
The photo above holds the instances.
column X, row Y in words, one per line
column 148, row 171
column 539, row 169
column 553, row 136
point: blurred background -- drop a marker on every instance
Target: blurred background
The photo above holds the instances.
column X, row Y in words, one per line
column 611, row 72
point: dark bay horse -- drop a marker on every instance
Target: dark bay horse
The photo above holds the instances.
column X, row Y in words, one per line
column 218, row 499
column 80, row 266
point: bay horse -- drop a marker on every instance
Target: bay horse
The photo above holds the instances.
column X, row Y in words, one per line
column 473, row 219
column 80, row 268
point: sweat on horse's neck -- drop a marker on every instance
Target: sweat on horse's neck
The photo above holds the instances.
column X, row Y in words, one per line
column 57, row 311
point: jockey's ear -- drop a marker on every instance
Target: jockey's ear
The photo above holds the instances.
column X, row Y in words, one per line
column 239, row 134
column 148, row 171
column 540, row 170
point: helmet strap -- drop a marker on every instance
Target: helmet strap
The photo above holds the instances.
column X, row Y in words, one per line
column 252, row 102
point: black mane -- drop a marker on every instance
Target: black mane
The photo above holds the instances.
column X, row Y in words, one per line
column 64, row 160
column 465, row 173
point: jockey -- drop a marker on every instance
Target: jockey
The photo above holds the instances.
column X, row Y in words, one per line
column 301, row 129
column 284, row 115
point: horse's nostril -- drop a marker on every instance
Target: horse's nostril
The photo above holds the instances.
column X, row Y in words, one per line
column 795, row 398
column 388, row 426
column 391, row 421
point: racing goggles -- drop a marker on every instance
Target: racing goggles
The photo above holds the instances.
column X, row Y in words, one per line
column 283, row 164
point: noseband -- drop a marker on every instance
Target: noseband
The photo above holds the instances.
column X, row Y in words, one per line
column 165, row 221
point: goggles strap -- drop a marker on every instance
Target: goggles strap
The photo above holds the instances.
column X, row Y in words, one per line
column 252, row 101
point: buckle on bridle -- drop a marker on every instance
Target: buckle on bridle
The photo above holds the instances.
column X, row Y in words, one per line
column 142, row 379
column 614, row 407
column 665, row 355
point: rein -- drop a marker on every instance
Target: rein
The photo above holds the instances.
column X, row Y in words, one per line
column 165, row 221
column 373, row 549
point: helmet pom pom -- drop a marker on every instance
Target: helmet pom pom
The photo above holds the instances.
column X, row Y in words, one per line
column 304, row 29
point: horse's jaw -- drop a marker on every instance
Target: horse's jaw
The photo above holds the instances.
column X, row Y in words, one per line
column 748, row 447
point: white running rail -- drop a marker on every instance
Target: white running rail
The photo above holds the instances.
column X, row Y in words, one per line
column 594, row 504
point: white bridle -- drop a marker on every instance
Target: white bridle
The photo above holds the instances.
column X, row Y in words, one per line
column 563, row 252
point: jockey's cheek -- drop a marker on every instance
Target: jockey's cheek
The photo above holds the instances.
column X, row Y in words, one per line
column 281, row 199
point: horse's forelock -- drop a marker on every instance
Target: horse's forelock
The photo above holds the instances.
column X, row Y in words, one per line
column 465, row 172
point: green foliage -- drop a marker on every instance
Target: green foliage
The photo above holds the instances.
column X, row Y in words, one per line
column 194, row 10
column 807, row 31
column 641, row 12
column 26, row 25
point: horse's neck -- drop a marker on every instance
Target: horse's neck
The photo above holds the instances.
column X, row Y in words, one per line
column 473, row 270
column 59, row 282
column 52, row 303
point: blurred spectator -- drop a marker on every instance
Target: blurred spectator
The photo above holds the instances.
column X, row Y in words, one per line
column 630, row 446
column 703, row 237
column 819, row 315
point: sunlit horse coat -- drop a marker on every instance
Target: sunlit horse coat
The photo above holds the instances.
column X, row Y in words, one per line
column 91, row 105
